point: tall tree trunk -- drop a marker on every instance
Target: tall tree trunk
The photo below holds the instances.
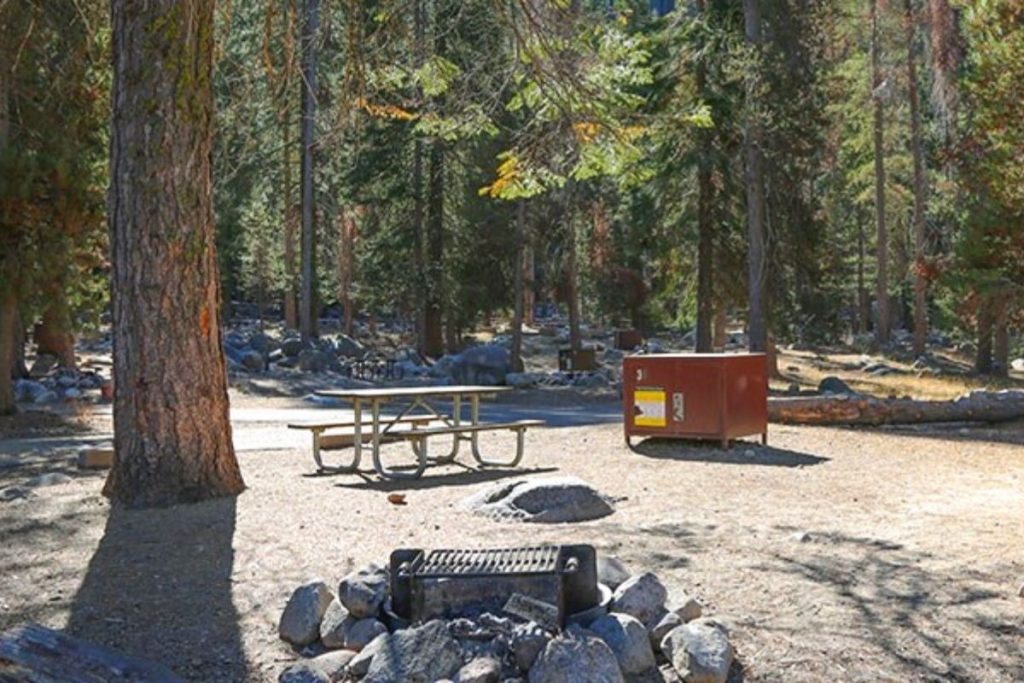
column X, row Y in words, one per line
column 882, row 246
column 518, row 296
column 529, row 283
column 720, row 332
column 53, row 334
column 291, row 275
column 346, row 268
column 8, row 322
column 863, row 305
column 1001, row 338
column 920, row 285
column 418, row 209
column 433, row 329
column 756, row 256
column 705, row 226
column 986, row 321
column 172, row 435
column 307, row 309
column 572, row 271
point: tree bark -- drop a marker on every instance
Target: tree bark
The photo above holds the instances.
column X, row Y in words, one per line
column 307, row 312
column 720, row 332
column 433, row 329
column 756, row 257
column 572, row 273
column 346, row 268
column 882, row 246
column 53, row 334
column 419, row 209
column 863, row 306
column 291, row 294
column 1001, row 339
column 8, row 316
column 518, row 296
column 529, row 283
column 978, row 406
column 920, row 285
column 172, row 435
column 705, row 227
column 986, row 320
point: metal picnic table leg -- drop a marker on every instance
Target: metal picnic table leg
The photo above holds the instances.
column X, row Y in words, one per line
column 474, row 413
column 456, row 441
column 421, row 452
column 352, row 466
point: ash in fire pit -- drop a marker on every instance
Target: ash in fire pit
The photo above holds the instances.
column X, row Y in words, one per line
column 541, row 614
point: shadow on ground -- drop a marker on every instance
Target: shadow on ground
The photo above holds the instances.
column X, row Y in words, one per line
column 159, row 587
column 1009, row 432
column 740, row 453
column 464, row 476
column 906, row 621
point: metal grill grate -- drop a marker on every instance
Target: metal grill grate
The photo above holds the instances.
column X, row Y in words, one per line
column 491, row 562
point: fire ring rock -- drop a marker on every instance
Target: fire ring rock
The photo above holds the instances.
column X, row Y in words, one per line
column 300, row 622
column 547, row 500
column 699, row 651
column 362, row 592
column 415, row 655
column 576, row 655
column 628, row 640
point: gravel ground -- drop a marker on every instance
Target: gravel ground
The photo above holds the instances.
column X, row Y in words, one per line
column 833, row 554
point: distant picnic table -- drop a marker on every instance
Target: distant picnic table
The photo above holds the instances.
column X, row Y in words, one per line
column 416, row 422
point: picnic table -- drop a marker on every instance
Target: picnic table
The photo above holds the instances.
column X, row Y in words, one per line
column 415, row 423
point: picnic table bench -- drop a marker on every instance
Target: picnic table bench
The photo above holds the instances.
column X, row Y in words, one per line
column 416, row 428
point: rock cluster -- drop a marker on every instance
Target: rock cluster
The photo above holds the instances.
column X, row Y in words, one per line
column 543, row 500
column 639, row 636
column 49, row 384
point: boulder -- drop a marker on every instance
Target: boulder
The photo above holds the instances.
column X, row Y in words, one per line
column 700, row 651
column 610, row 571
column 259, row 341
column 663, row 626
column 31, row 391
column 252, row 360
column 480, row 670
column 576, row 655
column 358, row 633
column 303, row 672
column 415, row 655
column 487, row 364
column 628, row 640
column 642, row 597
column 362, row 592
column 528, row 640
column 545, row 500
column 332, row 626
column 293, row 346
column 360, row 664
column 324, row 668
column 834, row 385
column 300, row 621
column 348, row 347
column 311, row 360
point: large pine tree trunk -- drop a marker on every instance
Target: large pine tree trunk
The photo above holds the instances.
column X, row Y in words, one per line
column 986, row 320
column 433, row 328
column 308, row 305
column 705, row 227
column 172, row 436
column 920, row 285
column 1001, row 339
column 291, row 275
column 529, row 283
column 572, row 272
column 346, row 269
column 756, row 254
column 882, row 246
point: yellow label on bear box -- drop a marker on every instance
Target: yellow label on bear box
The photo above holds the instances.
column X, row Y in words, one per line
column 649, row 408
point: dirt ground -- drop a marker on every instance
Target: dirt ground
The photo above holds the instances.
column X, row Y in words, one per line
column 832, row 554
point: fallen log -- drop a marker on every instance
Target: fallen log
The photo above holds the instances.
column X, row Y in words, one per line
column 35, row 654
column 858, row 409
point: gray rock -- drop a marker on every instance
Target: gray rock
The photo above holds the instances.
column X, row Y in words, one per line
column 545, row 500
column 628, row 640
column 48, row 479
column 348, row 347
column 610, row 571
column 415, row 655
column 523, row 380
column 528, row 640
column 360, row 664
column 73, row 393
column 292, row 347
column 480, row 670
column 327, row 667
column 303, row 672
column 311, row 360
column 332, row 626
column 300, row 621
column 688, row 608
column 42, row 365
column 576, row 655
column 27, row 390
column 259, row 341
column 487, row 364
column 834, row 385
column 642, row 597
column 14, row 493
column 663, row 626
column 699, row 651
column 362, row 592
column 358, row 633
column 252, row 360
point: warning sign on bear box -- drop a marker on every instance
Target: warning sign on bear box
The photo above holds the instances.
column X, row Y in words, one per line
column 649, row 407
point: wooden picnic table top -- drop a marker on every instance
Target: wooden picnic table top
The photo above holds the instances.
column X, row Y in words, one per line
column 410, row 392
